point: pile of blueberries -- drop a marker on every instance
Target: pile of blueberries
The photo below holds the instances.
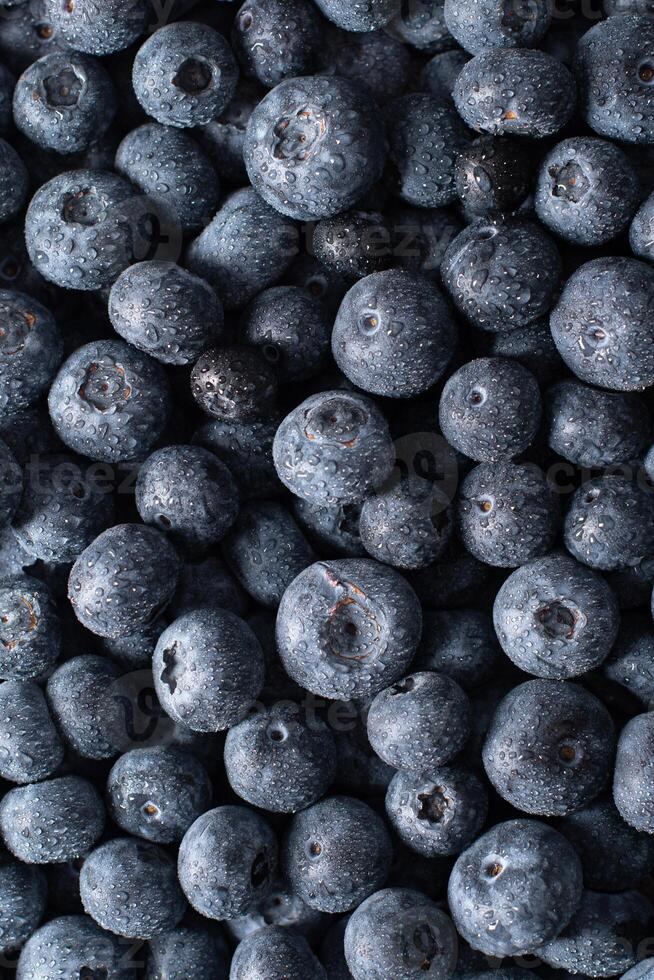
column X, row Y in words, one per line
column 326, row 489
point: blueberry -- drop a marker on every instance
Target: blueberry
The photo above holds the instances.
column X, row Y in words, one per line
column 81, row 228
column 275, row 954
column 246, row 448
column 74, row 946
column 314, row 146
column 246, row 247
column 515, row 92
column 335, row 528
column 184, row 74
column 374, row 60
column 641, row 230
column 459, row 643
column 280, row 907
column 632, row 586
column 169, row 166
column 66, row 504
column 587, row 191
column 439, row 812
column 614, row 856
column 123, row 580
column 483, row 26
column 157, row 793
column 30, row 629
column 632, row 780
column 555, row 618
column 359, row 15
column 53, row 821
column 110, row 402
column 291, row 329
column 492, row 175
column 227, row 862
column 355, row 243
column 490, row 409
column 130, row 887
column 419, row 723
column 400, row 933
column 439, row 75
column 595, row 428
column 394, row 334
column 422, row 25
column 614, row 67
column 208, row 669
column 234, row 384
column 188, row 493
column 337, row 853
column 408, row 523
column 30, row 749
column 82, row 696
column 619, row 927
column 507, row 513
column 474, row 273
column 630, row 662
column 111, row 27
column 276, row 39
column 31, row 349
column 28, row 432
column 23, row 900
column 190, row 949
column 11, row 484
column 26, row 34
column 280, row 760
column 515, row 888
column 165, row 311
column 348, row 628
column 333, row 448
column 64, row 101
column 425, row 138
column 321, row 281
column 267, row 550
column 533, row 347
column 558, row 766
column 601, row 326
column 610, row 523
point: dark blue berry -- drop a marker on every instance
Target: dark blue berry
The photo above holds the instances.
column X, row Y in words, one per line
column 334, row 448
column 521, row 863
column 227, row 862
column 314, row 146
column 276, row 39
column 130, row 887
column 291, row 329
column 555, row 618
column 274, row 953
column 348, row 628
column 30, row 748
column 208, row 669
column 440, row 811
column 482, row 25
column 123, row 580
column 30, row 629
column 185, row 74
column 74, row 946
column 52, row 822
column 400, row 933
column 490, row 409
column 419, row 723
column 337, row 853
column 157, row 793
column 394, row 334
column 64, row 102
column 101, row 29
column 31, row 350
column 558, row 766
column 474, row 272
column 601, row 326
